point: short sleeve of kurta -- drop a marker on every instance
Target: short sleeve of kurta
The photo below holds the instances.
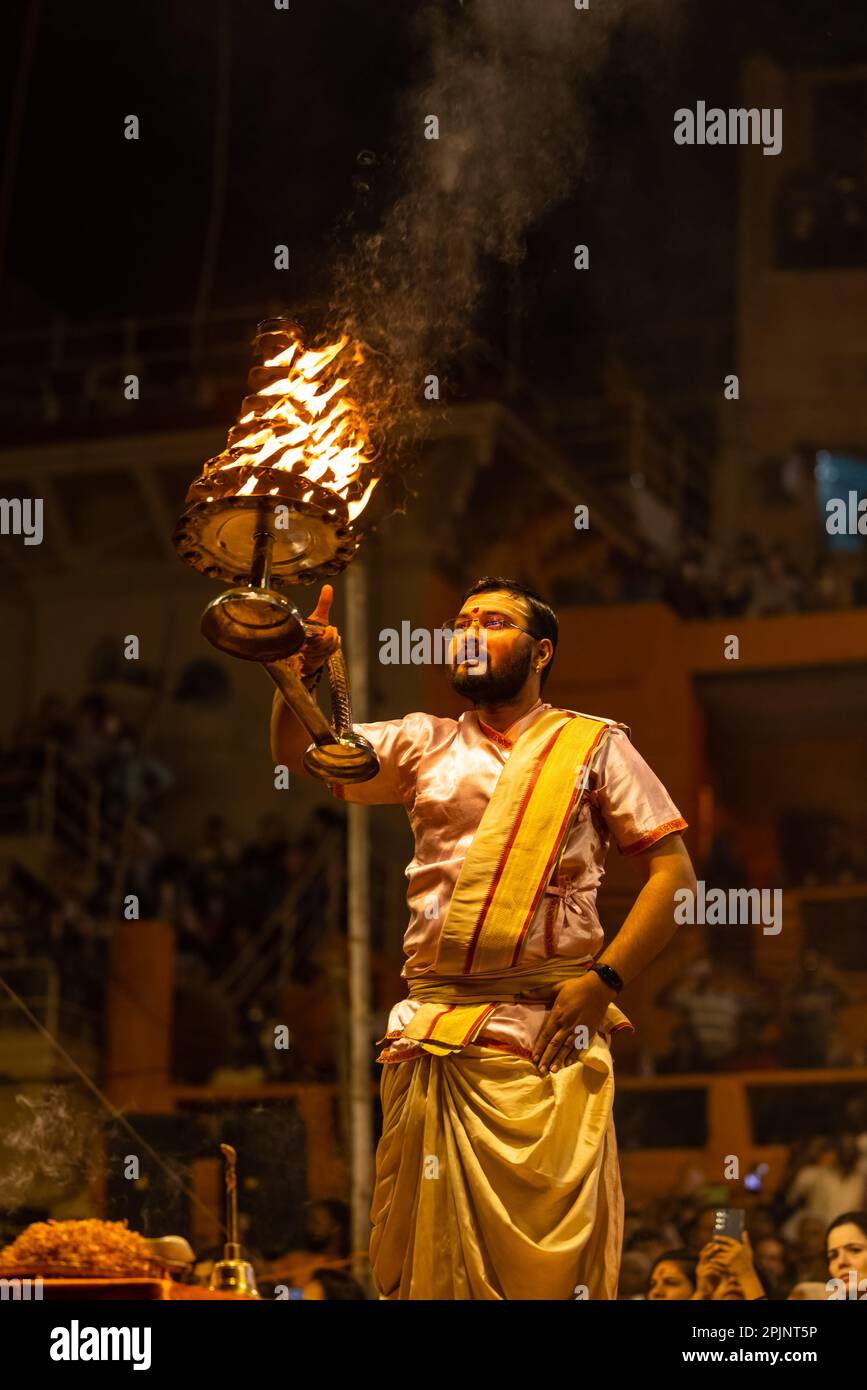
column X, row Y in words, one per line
column 399, row 744
column 630, row 797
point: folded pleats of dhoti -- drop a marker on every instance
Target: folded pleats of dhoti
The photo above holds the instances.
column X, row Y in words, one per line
column 495, row 1182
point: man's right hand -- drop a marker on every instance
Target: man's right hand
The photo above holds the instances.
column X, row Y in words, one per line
column 289, row 738
column 320, row 645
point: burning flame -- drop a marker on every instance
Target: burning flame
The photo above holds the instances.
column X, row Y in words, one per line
column 302, row 420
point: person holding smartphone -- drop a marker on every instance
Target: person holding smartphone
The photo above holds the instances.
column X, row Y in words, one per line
column 726, row 1270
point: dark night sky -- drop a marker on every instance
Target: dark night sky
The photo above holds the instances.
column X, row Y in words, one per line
column 102, row 226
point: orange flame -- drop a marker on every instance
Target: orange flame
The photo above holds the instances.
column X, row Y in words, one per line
column 303, row 420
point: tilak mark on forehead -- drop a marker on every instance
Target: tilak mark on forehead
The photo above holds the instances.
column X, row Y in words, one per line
column 498, row 601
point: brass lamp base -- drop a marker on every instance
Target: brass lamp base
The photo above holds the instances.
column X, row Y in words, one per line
column 265, row 626
column 338, row 753
column 350, row 759
column 253, row 624
column 291, row 529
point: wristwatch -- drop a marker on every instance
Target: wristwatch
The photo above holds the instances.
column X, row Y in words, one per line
column 609, row 976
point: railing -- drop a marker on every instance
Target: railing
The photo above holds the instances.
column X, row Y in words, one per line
column 618, row 441
column 37, row 980
column 60, row 372
column 45, row 795
column 633, row 443
column 268, row 954
column 725, row 1116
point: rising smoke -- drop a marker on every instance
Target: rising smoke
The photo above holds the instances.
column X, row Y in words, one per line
column 48, row 1150
column 507, row 86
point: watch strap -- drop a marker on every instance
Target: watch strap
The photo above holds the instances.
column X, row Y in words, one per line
column 609, row 976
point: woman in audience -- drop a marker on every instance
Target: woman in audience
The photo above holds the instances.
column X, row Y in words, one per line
column 673, row 1276
column 846, row 1242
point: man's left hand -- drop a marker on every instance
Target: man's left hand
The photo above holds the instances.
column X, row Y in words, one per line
column 577, row 1002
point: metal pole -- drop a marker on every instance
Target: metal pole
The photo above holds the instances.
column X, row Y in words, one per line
column 358, row 913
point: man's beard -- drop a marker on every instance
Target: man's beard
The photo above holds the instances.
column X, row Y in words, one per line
column 491, row 687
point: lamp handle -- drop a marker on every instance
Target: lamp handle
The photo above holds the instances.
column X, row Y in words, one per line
column 301, row 702
column 338, row 753
column 341, row 700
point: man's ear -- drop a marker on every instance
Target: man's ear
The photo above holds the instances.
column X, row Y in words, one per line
column 544, row 653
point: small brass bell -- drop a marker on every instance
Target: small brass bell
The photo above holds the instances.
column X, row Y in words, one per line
column 231, row 1274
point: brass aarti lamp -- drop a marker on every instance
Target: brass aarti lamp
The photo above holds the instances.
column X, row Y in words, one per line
column 278, row 506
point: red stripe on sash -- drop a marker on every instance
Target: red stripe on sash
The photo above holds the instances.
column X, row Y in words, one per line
column 543, row 880
column 436, row 1019
column 525, row 801
column 554, row 850
column 477, row 1024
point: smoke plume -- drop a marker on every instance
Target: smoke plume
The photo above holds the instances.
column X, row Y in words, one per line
column 50, row 1148
column 506, row 86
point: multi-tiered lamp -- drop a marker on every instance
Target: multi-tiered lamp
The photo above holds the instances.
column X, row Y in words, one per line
column 278, row 506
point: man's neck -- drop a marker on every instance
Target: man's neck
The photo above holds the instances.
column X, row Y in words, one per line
column 502, row 716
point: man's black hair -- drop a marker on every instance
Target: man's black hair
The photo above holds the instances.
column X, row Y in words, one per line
column 543, row 619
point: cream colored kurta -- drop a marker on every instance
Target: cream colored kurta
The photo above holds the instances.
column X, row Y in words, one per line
column 444, row 772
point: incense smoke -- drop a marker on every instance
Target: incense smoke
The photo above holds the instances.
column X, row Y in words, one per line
column 507, row 86
column 50, row 1149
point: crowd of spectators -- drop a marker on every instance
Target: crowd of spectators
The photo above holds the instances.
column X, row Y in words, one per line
column 731, row 1019
column 218, row 892
column 805, row 1241
column 705, row 581
column 798, row 1240
column 755, row 580
column 322, row 1268
column 83, row 777
column 809, row 1232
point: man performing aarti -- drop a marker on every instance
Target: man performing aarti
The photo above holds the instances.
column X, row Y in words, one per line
column 497, row 1173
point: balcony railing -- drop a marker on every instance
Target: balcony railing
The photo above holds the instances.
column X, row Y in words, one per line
column 43, row 795
column 58, row 372
column 36, row 979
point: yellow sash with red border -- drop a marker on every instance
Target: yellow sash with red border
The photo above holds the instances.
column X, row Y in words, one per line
column 508, row 867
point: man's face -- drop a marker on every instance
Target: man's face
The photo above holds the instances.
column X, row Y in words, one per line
column 492, row 665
